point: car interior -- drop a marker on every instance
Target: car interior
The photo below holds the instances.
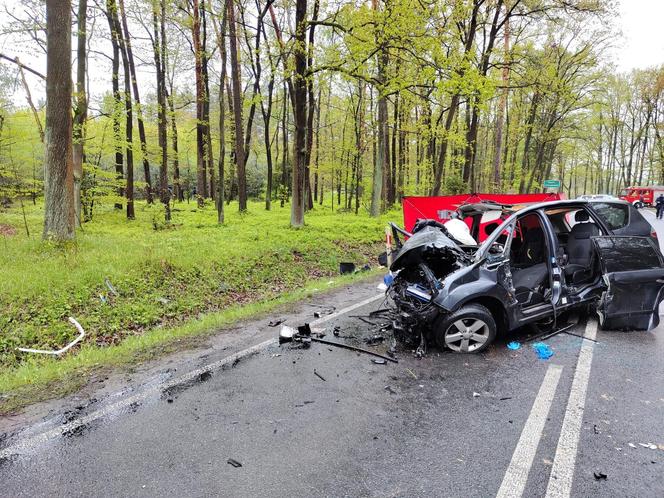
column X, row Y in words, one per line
column 574, row 228
column 528, row 253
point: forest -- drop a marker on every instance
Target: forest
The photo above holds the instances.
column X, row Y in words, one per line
column 344, row 106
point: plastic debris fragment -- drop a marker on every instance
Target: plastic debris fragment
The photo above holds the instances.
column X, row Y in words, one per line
column 514, row 345
column 544, row 352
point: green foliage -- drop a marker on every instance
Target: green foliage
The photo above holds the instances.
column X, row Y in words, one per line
column 165, row 277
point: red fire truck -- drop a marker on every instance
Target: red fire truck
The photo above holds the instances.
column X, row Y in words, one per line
column 642, row 196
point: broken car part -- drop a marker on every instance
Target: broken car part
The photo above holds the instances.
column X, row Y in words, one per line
column 346, row 268
column 78, row 339
column 303, row 334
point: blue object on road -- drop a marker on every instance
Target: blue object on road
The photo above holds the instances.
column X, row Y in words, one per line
column 514, row 345
column 544, row 352
column 388, row 279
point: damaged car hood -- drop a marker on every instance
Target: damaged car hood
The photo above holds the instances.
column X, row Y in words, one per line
column 432, row 247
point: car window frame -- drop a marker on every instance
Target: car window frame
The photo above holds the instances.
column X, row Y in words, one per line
column 625, row 205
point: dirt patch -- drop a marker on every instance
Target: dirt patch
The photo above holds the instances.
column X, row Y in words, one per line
column 7, row 230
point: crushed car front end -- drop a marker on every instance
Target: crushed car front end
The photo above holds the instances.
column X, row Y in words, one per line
column 427, row 262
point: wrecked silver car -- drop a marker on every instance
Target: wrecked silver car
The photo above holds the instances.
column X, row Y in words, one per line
column 537, row 262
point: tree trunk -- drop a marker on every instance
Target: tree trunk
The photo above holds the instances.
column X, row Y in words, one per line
column 221, row 42
column 237, row 110
column 311, row 108
column 137, row 100
column 81, row 106
column 502, row 105
column 159, row 22
column 381, row 162
column 207, row 134
column 129, row 121
column 115, row 83
column 300, row 115
column 59, row 216
column 201, row 174
column 177, row 187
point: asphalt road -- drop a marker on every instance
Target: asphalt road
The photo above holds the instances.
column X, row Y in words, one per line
column 504, row 422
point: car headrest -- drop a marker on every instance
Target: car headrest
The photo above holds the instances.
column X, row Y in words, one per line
column 581, row 215
column 584, row 231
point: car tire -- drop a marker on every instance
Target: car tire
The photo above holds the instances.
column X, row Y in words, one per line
column 470, row 329
column 638, row 205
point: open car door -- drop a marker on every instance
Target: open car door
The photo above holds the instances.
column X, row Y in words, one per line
column 633, row 272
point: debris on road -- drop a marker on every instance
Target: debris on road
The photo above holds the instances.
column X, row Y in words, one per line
column 514, row 345
column 303, row 336
column 275, row 323
column 544, row 351
column 346, row 268
column 110, row 287
column 379, row 361
column 336, row 331
column 650, row 446
column 374, row 339
column 599, row 476
column 319, row 376
column 234, row 463
column 411, row 373
column 476, row 395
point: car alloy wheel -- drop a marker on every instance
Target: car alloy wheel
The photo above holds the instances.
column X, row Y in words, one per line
column 466, row 335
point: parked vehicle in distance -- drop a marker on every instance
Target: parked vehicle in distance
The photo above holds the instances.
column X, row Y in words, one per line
column 539, row 261
column 596, row 197
column 640, row 197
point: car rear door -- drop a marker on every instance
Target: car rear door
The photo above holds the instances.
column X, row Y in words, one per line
column 633, row 273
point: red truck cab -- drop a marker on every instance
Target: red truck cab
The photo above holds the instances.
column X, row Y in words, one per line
column 642, row 196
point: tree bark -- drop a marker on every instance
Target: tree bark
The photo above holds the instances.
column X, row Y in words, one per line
column 115, row 84
column 221, row 43
column 129, row 121
column 201, row 174
column 237, row 110
column 59, row 216
column 300, row 115
column 80, row 106
column 502, row 105
column 137, row 100
column 381, row 162
column 159, row 23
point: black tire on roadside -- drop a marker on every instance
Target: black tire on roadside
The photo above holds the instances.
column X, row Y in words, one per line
column 469, row 314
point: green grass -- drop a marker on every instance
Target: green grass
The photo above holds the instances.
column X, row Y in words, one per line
column 172, row 284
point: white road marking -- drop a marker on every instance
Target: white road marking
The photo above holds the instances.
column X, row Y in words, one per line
column 562, row 472
column 28, row 443
column 516, row 476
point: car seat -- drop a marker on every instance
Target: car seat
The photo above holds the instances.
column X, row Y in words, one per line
column 580, row 251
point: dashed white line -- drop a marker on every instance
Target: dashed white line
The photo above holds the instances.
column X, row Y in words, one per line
column 28, row 443
column 516, row 476
column 562, row 472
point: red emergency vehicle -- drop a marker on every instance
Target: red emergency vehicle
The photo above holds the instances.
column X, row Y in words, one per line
column 441, row 208
column 642, row 196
